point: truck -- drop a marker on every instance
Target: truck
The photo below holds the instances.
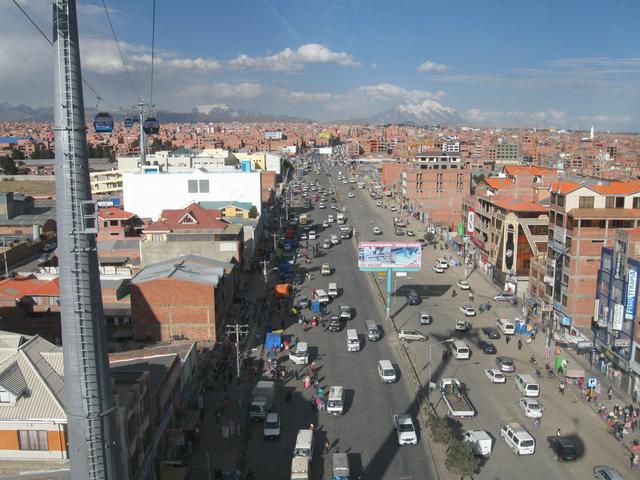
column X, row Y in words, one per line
column 480, row 442
column 262, row 399
column 454, row 394
column 300, row 468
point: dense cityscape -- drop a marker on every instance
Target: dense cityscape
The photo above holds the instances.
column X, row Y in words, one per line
column 413, row 294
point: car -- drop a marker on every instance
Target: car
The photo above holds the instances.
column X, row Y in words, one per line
column 405, row 430
column 271, row 426
column 297, row 279
column 43, row 258
column 334, row 239
column 564, row 448
column 488, row 347
column 495, row 375
column 303, row 302
column 312, row 235
column 378, row 203
column 334, row 206
column 345, row 181
column 463, row 285
column 325, row 224
column 602, row 472
column 393, row 209
column 399, row 232
column 335, row 324
column 467, row 310
column 410, row 233
column 411, row 335
column 325, row 269
column 531, row 407
column 438, row 269
column 491, row 332
column 463, row 325
column 321, row 205
column 505, row 364
column 345, row 312
column 350, row 195
column 377, row 231
column 326, row 243
column 303, row 236
column 504, row 297
column 425, row 318
column 413, row 298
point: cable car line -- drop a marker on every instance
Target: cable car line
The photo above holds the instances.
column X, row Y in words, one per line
column 153, row 47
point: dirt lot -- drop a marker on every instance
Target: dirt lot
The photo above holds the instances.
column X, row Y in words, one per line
column 30, row 187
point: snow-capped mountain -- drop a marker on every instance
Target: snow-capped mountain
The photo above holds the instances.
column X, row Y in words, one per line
column 427, row 112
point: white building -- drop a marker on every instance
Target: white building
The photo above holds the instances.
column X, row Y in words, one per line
column 147, row 194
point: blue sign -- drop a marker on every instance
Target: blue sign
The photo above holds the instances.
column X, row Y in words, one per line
column 565, row 320
column 592, row 382
column 632, row 292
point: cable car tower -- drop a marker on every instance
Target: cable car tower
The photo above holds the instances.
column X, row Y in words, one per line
column 94, row 442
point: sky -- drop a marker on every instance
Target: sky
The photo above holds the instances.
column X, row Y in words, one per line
column 563, row 64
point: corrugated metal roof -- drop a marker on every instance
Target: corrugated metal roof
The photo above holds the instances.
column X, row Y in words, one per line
column 11, row 378
column 55, row 360
column 191, row 268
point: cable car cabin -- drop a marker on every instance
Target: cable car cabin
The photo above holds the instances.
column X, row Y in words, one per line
column 103, row 122
column 128, row 122
column 151, row 126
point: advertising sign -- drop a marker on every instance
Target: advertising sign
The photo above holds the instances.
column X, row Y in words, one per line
column 632, row 292
column 471, row 217
column 461, row 229
column 616, row 323
column 383, row 255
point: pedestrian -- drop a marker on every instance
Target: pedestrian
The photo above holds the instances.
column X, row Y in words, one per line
column 297, row 373
column 288, row 396
column 536, row 423
column 507, row 339
column 312, row 427
column 327, row 446
column 558, row 433
column 519, row 344
column 561, row 387
column 635, row 461
column 609, row 393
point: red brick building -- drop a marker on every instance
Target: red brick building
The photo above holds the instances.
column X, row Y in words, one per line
column 181, row 298
column 115, row 223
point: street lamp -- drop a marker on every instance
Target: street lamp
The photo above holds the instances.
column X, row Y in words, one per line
column 449, row 340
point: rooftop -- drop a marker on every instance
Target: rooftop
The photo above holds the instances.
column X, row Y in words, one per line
column 191, row 268
column 516, row 205
column 604, row 213
column 114, row 213
column 193, row 217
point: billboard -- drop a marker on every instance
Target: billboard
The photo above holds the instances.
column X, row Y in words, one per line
column 383, row 255
column 632, row 291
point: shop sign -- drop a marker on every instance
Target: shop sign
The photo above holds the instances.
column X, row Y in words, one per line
column 621, row 342
column 592, row 382
column 616, row 323
column 632, row 291
column 565, row 320
column 471, row 216
column 596, row 311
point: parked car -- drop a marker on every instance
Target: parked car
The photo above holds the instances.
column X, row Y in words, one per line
column 411, row 335
column 350, row 195
column 488, row 347
column 345, row 312
column 504, row 297
column 297, row 279
column 393, row 209
column 413, row 298
column 564, row 448
column 467, row 310
column 495, row 375
column 505, row 364
column 463, row 325
column 425, row 318
column 303, row 302
column 377, row 231
column 531, row 407
column 438, row 269
column 399, row 232
column 463, row 285
column 326, row 243
column 410, row 233
column 602, row 472
column 491, row 332
column 335, row 324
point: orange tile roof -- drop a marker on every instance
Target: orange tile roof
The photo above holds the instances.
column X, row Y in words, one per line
column 18, row 287
column 205, row 219
column 617, row 188
column 564, row 186
column 113, row 212
column 514, row 170
column 49, row 289
column 497, row 182
column 516, row 205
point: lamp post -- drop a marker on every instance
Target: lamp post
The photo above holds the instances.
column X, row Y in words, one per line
column 449, row 340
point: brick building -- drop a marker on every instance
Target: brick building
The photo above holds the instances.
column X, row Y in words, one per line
column 183, row 297
column 115, row 223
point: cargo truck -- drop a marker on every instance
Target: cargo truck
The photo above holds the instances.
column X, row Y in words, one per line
column 262, row 399
column 454, row 394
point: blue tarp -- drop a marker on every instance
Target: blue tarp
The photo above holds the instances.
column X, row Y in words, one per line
column 285, row 267
column 273, row 341
column 315, row 306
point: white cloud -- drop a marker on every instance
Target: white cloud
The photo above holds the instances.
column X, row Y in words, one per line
column 548, row 117
column 430, row 66
column 91, row 9
column 374, row 66
column 619, row 119
column 289, row 60
column 426, row 107
column 309, row 97
column 367, row 93
column 225, row 90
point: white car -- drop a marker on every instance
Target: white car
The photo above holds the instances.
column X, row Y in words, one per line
column 350, row 195
column 467, row 310
column 272, row 425
column 321, row 205
column 463, row 285
column 463, row 325
column 303, row 236
column 438, row 269
column 325, row 224
column 393, row 209
column 326, row 243
column 334, row 206
column 379, row 203
column 405, row 430
column 345, row 312
column 495, row 376
column 312, row 234
column 411, row 335
column 377, row 231
column 531, row 407
column 425, row 318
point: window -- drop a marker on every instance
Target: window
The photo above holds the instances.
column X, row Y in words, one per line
column 619, row 202
column 33, row 440
column 636, row 202
column 610, row 202
column 561, row 200
column 585, row 202
column 5, row 397
column 204, row 186
column 564, row 300
column 193, row 186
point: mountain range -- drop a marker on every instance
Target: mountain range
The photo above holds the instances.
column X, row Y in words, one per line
column 427, row 112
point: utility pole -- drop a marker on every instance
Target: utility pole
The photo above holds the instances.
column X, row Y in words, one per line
column 143, row 137
column 237, row 329
column 94, row 439
column 275, row 241
column 264, row 270
column 4, row 249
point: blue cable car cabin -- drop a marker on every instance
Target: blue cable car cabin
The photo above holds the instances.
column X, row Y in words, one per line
column 151, row 126
column 128, row 122
column 103, row 122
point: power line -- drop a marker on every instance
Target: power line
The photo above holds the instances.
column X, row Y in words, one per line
column 126, row 69
column 35, row 25
column 153, row 47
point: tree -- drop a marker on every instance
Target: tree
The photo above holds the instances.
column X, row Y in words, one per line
column 45, row 153
column 440, row 430
column 461, row 459
column 17, row 154
column 8, row 166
